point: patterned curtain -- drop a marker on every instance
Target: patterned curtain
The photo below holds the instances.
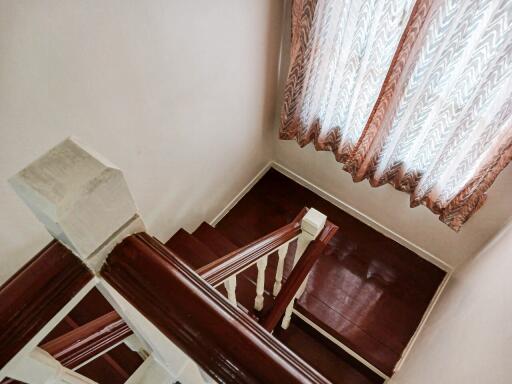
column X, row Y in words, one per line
column 415, row 94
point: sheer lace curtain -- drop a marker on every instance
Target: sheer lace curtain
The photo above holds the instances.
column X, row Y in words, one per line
column 417, row 94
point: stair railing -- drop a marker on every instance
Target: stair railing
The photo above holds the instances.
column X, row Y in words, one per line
column 295, row 285
column 185, row 310
column 193, row 315
column 79, row 346
column 305, row 228
column 177, row 317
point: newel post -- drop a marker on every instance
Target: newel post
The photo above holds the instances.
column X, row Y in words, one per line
column 81, row 198
column 312, row 224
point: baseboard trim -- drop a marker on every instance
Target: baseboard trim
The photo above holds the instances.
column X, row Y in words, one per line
column 341, row 205
column 364, row 218
column 340, row 345
column 423, row 321
column 241, row 194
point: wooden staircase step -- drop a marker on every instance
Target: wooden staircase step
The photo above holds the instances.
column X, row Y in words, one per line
column 216, row 241
column 328, row 359
column 189, row 249
column 332, row 322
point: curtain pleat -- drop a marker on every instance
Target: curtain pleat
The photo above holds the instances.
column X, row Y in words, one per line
column 417, row 95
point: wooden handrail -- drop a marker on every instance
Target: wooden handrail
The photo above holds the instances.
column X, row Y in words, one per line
column 297, row 276
column 235, row 262
column 229, row 345
column 35, row 294
column 89, row 340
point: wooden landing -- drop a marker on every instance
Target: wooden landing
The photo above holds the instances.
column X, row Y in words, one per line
column 367, row 291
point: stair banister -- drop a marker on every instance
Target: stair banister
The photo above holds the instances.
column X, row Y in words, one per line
column 225, row 269
column 238, row 261
column 36, row 299
column 306, row 226
column 86, row 342
column 284, row 301
column 228, row 344
column 173, row 312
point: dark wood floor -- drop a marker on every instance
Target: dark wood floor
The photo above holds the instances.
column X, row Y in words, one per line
column 367, row 291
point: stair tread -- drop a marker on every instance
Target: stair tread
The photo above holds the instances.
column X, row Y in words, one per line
column 328, row 359
column 192, row 251
column 317, row 312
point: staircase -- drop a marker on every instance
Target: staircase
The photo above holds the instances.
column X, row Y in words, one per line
column 207, row 244
column 204, row 246
column 188, row 310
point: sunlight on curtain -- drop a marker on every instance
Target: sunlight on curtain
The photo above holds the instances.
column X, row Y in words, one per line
column 440, row 128
column 342, row 67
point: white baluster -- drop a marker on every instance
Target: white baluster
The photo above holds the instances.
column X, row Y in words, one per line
column 288, row 315
column 282, row 251
column 230, row 285
column 303, row 286
column 137, row 346
column 312, row 224
column 260, row 283
column 289, row 309
column 167, row 354
column 302, row 243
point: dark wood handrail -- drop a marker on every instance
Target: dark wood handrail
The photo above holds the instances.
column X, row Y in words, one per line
column 35, row 294
column 89, row 340
column 235, row 262
column 229, row 345
column 297, row 276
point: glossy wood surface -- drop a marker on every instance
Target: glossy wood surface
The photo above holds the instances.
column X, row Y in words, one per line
column 238, row 260
column 86, row 341
column 368, row 291
column 224, row 341
column 335, row 364
column 35, row 294
column 189, row 249
column 329, row 360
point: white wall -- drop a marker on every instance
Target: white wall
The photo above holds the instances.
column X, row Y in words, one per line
column 179, row 94
column 468, row 338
